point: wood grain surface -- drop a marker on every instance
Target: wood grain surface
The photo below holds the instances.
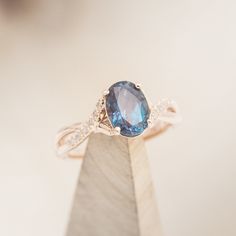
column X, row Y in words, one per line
column 114, row 195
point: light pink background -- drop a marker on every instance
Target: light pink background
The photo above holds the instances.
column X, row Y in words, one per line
column 56, row 59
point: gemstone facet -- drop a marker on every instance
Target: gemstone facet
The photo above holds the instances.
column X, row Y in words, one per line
column 127, row 108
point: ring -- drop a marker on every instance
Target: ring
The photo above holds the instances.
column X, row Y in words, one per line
column 122, row 110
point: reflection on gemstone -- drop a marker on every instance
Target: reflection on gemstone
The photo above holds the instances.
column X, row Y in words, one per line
column 127, row 108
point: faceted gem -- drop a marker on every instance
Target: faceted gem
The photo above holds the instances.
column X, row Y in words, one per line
column 127, row 108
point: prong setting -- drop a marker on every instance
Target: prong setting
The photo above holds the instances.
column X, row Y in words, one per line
column 106, row 92
column 117, row 130
column 138, row 86
column 150, row 123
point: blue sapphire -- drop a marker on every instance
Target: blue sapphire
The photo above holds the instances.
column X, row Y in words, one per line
column 127, row 108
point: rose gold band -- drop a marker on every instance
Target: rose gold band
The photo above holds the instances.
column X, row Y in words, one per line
column 71, row 141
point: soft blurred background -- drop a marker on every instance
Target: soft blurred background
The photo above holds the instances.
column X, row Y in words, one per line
column 57, row 56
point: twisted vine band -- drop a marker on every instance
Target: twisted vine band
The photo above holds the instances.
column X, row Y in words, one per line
column 122, row 110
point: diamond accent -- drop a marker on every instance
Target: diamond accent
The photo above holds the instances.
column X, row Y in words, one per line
column 159, row 109
column 81, row 131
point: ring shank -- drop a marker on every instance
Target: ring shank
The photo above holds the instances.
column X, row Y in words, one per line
column 68, row 146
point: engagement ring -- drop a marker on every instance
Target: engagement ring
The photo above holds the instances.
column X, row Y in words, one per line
column 122, row 110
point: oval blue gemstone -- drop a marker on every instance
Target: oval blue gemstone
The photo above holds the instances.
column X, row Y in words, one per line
column 127, row 108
